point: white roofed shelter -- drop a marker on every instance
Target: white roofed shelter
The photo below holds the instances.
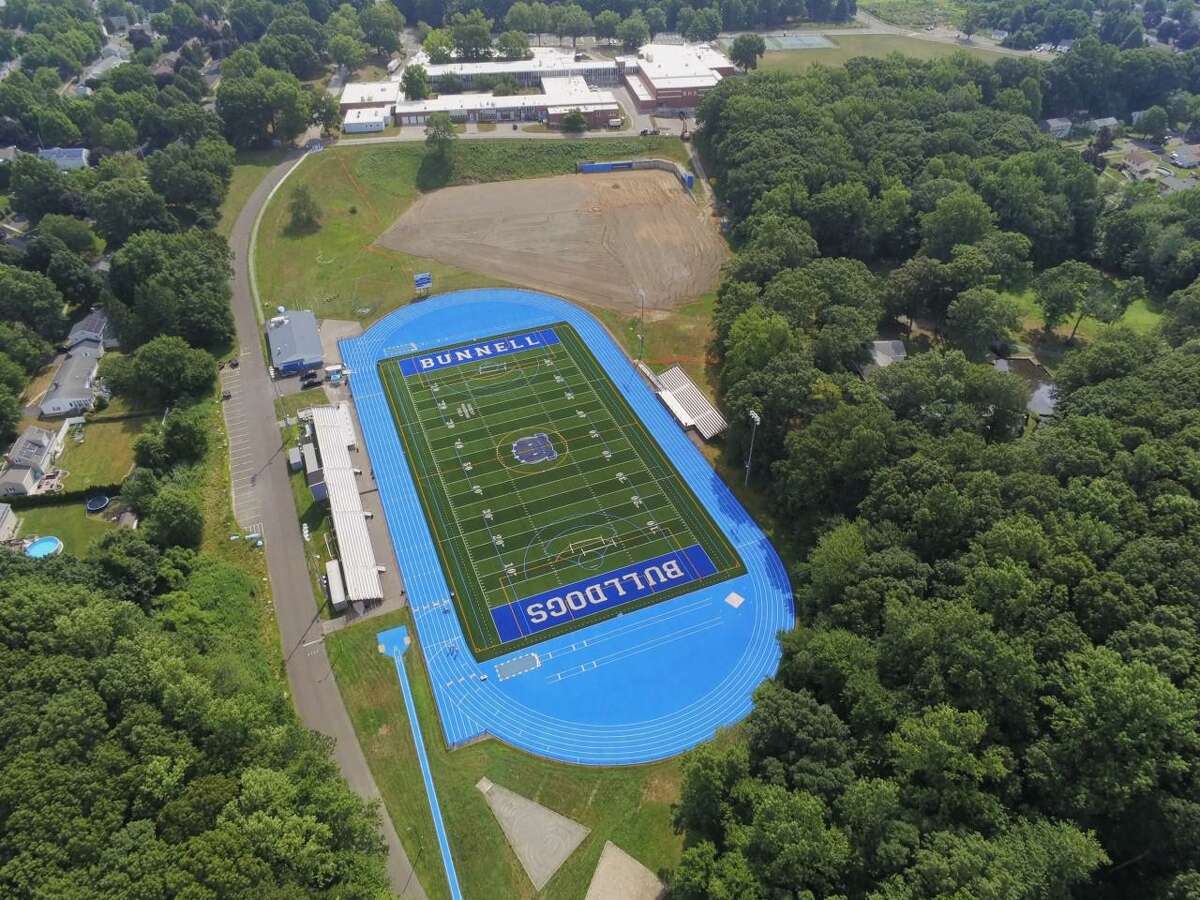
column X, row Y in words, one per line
column 335, row 437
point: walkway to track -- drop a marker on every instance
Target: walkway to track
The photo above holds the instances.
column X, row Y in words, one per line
column 638, row 687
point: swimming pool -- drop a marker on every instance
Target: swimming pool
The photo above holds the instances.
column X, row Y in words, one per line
column 44, row 546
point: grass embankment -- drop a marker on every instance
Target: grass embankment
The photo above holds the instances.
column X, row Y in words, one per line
column 339, row 273
column 874, row 45
column 629, row 805
column 679, row 336
column 250, row 167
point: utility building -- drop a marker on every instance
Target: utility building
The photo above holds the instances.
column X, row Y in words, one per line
column 294, row 341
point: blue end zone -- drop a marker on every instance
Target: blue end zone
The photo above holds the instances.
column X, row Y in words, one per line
column 601, row 592
column 636, row 687
column 483, row 351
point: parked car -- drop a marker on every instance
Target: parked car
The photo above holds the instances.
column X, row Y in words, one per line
column 234, row 363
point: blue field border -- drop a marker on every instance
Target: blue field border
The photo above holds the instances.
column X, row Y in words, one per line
column 637, row 687
column 394, row 642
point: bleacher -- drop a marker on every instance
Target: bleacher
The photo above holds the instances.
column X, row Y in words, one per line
column 688, row 404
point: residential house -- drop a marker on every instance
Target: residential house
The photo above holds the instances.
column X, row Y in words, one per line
column 95, row 326
column 8, row 154
column 1057, row 128
column 883, row 354
column 1140, row 164
column 1109, row 122
column 1187, row 156
column 73, row 391
column 66, row 158
column 28, row 461
column 8, row 522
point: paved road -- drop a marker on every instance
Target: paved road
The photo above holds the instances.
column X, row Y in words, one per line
column 313, row 687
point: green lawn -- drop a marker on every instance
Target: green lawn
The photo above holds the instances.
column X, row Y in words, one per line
column 875, row 45
column 249, row 169
column 69, row 522
column 338, row 271
column 629, row 805
column 105, row 455
column 678, row 337
column 917, row 13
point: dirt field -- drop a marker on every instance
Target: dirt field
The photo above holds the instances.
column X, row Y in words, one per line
column 596, row 238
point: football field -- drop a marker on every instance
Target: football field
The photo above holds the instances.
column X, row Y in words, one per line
column 550, row 504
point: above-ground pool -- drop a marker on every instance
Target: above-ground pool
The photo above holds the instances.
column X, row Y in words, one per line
column 44, row 546
column 98, row 503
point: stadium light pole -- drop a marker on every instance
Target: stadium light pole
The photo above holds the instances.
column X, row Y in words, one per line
column 754, row 420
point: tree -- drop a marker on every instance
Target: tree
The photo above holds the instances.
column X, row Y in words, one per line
column 192, row 179
column 656, row 19
column 961, row 217
column 633, row 32
column 381, row 25
column 75, row 234
column 513, row 45
column 21, row 344
column 980, row 319
column 10, row 413
column 123, row 207
column 32, row 300
column 747, row 49
column 1154, row 123
column 162, row 371
column 326, row 111
column 520, row 17
column 346, row 51
column 574, row 22
column 305, row 214
column 415, row 82
column 439, row 46
column 175, row 518
column 440, row 135
column 574, row 122
column 605, row 24
column 472, row 35
column 139, row 489
column 176, row 284
column 704, row 26
column 268, row 104
column 37, row 187
column 1073, row 289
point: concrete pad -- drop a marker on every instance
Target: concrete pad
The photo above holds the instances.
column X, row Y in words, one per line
column 332, row 331
column 541, row 838
column 619, row 876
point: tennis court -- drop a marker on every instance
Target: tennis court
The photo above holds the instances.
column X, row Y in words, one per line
column 613, row 684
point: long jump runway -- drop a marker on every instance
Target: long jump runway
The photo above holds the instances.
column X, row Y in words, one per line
column 636, row 687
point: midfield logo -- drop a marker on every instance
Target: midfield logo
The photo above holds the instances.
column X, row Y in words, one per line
column 485, row 350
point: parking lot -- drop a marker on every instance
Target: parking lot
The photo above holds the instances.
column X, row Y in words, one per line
column 247, row 508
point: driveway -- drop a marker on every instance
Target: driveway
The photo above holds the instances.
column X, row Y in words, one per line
column 314, row 690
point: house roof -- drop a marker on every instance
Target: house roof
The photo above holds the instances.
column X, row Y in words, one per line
column 293, row 336
column 1136, row 157
column 1106, row 122
column 380, row 93
column 8, row 154
column 884, row 353
column 61, row 154
column 32, row 448
column 92, row 326
column 73, row 380
column 19, row 475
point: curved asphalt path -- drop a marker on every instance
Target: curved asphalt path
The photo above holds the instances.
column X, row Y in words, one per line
column 313, row 687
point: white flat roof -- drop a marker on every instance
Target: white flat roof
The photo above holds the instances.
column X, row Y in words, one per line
column 679, row 65
column 365, row 114
column 688, row 404
column 570, row 92
column 549, row 60
column 334, row 435
column 379, row 93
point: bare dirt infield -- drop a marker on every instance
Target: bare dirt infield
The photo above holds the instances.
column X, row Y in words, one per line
column 596, row 238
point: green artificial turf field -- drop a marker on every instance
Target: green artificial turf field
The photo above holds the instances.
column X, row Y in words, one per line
column 534, row 474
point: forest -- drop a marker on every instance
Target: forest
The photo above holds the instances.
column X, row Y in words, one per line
column 993, row 688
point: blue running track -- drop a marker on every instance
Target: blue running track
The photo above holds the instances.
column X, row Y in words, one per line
column 641, row 686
